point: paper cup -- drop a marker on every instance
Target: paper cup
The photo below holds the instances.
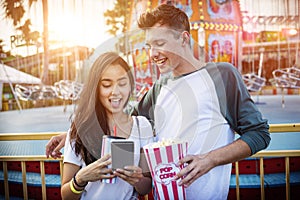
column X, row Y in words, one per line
column 106, row 149
column 162, row 164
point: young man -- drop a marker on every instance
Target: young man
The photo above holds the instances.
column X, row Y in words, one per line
column 203, row 104
column 198, row 103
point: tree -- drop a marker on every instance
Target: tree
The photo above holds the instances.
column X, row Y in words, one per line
column 14, row 10
column 116, row 17
column 117, row 21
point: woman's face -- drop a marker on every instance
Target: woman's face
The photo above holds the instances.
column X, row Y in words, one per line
column 114, row 88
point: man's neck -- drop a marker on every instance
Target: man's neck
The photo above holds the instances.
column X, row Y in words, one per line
column 187, row 67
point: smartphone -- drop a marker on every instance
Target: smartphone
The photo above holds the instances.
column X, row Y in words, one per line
column 122, row 154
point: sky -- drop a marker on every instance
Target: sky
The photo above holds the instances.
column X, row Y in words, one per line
column 71, row 22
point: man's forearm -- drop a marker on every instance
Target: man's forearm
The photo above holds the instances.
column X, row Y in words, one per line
column 231, row 153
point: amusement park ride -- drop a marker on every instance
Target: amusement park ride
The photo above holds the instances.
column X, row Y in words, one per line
column 63, row 89
column 287, row 78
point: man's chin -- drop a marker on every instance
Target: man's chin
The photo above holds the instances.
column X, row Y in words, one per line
column 164, row 70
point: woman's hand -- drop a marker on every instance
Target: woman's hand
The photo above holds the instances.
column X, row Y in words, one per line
column 134, row 176
column 96, row 171
column 93, row 172
column 130, row 174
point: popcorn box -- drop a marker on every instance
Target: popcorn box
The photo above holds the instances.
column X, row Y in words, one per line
column 162, row 164
column 106, row 149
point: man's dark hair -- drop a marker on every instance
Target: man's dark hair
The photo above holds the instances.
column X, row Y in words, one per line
column 165, row 14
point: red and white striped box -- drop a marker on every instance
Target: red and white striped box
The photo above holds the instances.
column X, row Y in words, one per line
column 162, row 164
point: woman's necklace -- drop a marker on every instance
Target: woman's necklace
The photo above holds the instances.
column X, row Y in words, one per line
column 115, row 130
column 121, row 129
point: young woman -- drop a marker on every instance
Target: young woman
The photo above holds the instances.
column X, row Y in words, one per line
column 100, row 112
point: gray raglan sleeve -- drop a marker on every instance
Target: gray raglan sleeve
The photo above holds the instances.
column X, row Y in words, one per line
column 145, row 107
column 239, row 109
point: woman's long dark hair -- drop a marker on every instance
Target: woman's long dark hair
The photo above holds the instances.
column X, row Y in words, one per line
column 90, row 122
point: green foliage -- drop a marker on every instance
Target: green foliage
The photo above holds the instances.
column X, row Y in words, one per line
column 116, row 18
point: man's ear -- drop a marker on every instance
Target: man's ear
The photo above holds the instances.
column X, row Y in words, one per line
column 185, row 38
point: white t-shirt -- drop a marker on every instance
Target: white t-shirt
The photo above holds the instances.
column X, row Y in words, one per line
column 187, row 108
column 121, row 189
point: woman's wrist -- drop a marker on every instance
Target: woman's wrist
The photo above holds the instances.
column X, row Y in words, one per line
column 78, row 183
column 73, row 189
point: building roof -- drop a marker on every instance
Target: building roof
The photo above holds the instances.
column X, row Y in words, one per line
column 11, row 75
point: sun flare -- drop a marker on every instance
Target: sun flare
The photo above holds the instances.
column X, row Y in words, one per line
column 66, row 28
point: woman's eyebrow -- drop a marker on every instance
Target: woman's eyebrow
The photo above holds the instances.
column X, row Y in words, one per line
column 122, row 78
column 107, row 79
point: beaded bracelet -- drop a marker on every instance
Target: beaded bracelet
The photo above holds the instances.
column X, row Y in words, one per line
column 75, row 182
column 73, row 188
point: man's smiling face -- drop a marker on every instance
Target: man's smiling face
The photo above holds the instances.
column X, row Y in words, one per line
column 165, row 47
